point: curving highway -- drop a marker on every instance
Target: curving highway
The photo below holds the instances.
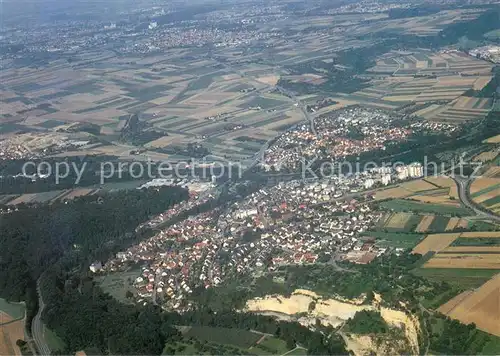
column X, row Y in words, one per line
column 37, row 326
column 463, row 194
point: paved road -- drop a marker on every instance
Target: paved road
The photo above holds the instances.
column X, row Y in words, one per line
column 300, row 105
column 463, row 194
column 37, row 325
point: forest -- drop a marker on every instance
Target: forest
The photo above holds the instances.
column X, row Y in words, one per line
column 88, row 228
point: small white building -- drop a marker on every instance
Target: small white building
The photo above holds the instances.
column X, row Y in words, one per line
column 95, row 267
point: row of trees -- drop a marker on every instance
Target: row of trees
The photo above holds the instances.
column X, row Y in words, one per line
column 34, row 238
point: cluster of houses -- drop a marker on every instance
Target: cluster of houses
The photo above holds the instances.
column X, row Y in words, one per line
column 297, row 222
column 195, row 199
column 340, row 134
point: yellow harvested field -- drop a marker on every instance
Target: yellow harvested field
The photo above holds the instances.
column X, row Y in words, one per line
column 492, row 172
column 482, row 183
column 442, row 199
column 452, row 223
column 418, row 186
column 9, row 334
column 494, row 139
column 494, row 193
column 479, row 234
column 269, row 79
column 450, row 260
column 486, row 156
column 78, row 193
column 424, row 111
column 398, row 220
column 481, row 82
column 441, row 181
column 395, row 192
column 424, row 224
column 453, row 192
column 481, row 307
column 435, row 243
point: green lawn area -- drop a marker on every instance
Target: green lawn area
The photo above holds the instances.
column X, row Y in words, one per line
column 270, row 346
column 395, row 239
column 240, row 338
column 180, row 349
column 117, row 284
column 55, row 343
column 15, row 310
column 400, row 205
column 463, row 278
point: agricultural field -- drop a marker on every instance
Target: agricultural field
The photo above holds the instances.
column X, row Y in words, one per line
column 185, row 100
column 486, row 156
column 462, row 278
column 480, row 307
column 399, row 205
column 423, row 76
column 11, row 327
column 468, row 250
column 186, row 96
column 425, row 223
column 400, row 222
column 435, row 243
column 466, row 259
column 395, row 239
column 436, row 190
column 485, row 190
column 10, row 332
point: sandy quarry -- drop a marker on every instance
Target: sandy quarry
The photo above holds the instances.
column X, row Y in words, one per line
column 400, row 319
column 334, row 312
column 329, row 311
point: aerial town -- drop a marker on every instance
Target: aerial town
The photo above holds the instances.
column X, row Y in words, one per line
column 341, row 134
column 296, row 222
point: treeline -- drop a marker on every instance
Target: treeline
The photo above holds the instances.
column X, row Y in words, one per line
column 450, row 337
column 88, row 228
column 490, row 90
column 84, row 317
column 292, row 333
column 91, row 171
